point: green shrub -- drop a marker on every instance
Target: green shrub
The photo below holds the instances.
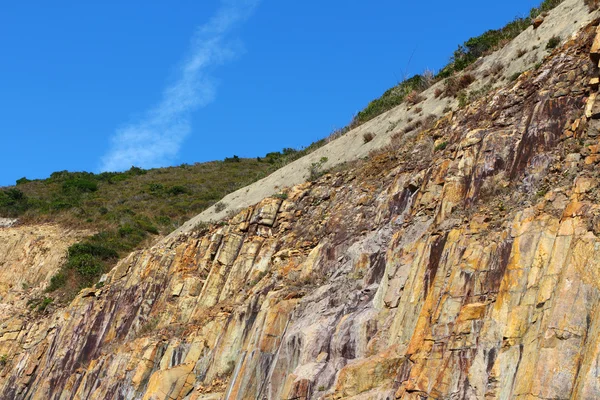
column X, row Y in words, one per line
column 80, row 185
column 94, row 250
column 126, row 207
column 491, row 40
column 125, row 230
column 465, row 55
column 475, row 47
column 40, row 303
column 393, row 97
column 57, row 281
column 542, row 192
column 13, row 202
column 89, row 259
column 463, row 99
column 276, row 157
column 145, row 224
column 60, row 204
column 22, row 181
column 176, row 190
column 156, row 187
column 316, row 169
column 441, row 146
column 151, row 229
column 86, row 265
column 45, row 303
column 546, row 5
column 232, row 159
column 553, row 42
column 162, row 219
column 135, row 171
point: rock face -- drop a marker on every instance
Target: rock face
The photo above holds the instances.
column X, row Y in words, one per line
column 462, row 262
column 7, row 222
column 523, row 53
column 29, row 256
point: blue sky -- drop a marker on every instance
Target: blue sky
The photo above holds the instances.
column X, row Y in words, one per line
column 91, row 86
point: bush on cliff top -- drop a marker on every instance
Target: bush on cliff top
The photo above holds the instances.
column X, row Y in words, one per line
column 394, row 96
column 465, row 55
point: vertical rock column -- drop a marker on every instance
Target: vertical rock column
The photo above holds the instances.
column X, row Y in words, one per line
column 592, row 110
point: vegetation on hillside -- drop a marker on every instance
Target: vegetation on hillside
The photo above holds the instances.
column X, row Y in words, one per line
column 128, row 208
column 466, row 54
column 394, row 96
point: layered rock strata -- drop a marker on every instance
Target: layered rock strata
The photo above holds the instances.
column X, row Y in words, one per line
column 462, row 262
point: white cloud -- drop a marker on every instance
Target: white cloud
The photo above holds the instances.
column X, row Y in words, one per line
column 156, row 138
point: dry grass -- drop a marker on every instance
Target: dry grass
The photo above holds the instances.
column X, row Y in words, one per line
column 495, row 70
column 414, row 98
column 413, row 126
column 367, row 137
column 455, row 84
column 429, row 121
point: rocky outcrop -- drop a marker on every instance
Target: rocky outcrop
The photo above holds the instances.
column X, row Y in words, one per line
column 7, row 222
column 492, row 71
column 29, row 256
column 461, row 262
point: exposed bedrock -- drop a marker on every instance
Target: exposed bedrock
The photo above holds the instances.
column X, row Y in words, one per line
column 464, row 271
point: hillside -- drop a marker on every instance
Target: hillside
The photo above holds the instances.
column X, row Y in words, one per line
column 125, row 211
column 492, row 71
column 457, row 258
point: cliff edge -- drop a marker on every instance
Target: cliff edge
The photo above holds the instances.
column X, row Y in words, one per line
column 459, row 260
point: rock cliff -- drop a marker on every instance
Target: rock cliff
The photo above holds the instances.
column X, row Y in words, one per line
column 494, row 70
column 29, row 256
column 462, row 261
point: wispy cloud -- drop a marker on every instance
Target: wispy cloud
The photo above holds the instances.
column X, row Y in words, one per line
column 156, row 138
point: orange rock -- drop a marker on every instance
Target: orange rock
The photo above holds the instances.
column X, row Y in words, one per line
column 593, row 159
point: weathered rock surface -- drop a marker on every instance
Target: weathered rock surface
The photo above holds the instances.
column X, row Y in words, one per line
column 7, row 222
column 494, row 70
column 464, row 271
column 29, row 256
